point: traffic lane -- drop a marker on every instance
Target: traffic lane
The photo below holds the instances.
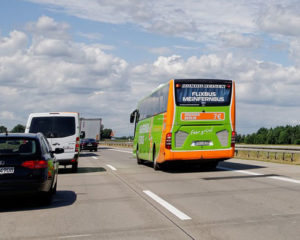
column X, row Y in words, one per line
column 104, row 208
column 245, row 206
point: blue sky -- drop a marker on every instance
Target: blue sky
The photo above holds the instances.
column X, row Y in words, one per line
column 100, row 57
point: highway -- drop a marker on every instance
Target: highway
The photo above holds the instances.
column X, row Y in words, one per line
column 111, row 197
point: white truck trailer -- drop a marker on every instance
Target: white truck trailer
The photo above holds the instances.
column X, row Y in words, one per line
column 91, row 127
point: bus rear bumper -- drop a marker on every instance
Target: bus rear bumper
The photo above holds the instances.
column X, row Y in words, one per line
column 202, row 155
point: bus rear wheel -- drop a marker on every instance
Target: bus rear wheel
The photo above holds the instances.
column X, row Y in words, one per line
column 138, row 160
column 155, row 163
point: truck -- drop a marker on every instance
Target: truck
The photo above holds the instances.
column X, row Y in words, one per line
column 91, row 127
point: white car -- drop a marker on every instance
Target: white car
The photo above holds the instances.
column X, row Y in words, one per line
column 62, row 131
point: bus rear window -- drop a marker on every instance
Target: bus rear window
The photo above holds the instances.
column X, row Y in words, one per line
column 203, row 94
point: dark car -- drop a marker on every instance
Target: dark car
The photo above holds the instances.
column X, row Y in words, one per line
column 89, row 144
column 28, row 165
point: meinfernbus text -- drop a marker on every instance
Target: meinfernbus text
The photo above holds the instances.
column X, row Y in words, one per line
column 188, row 120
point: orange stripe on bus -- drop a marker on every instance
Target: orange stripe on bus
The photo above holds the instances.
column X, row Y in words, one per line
column 200, row 116
column 168, row 121
column 233, row 106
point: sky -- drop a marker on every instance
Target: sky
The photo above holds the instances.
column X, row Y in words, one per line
column 100, row 57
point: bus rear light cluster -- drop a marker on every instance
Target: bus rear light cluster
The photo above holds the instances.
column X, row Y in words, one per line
column 169, row 141
column 233, row 135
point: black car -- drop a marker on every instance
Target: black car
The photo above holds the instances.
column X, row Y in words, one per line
column 28, row 165
column 88, row 144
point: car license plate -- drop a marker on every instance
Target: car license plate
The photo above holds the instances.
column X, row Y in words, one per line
column 7, row 170
column 89, row 144
column 201, row 143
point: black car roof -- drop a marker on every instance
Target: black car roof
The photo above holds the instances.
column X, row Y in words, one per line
column 20, row 135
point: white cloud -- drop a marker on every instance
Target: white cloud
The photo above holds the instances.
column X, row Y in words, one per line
column 7, row 115
column 281, row 19
column 196, row 20
column 240, row 41
column 294, row 51
column 47, row 27
column 17, row 41
column 57, row 74
column 160, row 51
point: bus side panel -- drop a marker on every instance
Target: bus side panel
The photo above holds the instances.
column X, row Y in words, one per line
column 156, row 135
column 142, row 135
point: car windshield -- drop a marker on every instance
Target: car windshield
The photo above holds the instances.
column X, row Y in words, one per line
column 20, row 146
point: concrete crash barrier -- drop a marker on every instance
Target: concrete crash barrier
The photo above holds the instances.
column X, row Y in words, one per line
column 268, row 153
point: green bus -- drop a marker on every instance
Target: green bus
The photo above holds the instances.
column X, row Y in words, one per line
column 186, row 120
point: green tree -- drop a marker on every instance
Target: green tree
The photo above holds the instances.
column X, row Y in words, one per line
column 18, row 129
column 106, row 133
column 3, row 129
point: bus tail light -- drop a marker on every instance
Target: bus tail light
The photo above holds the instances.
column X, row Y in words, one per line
column 35, row 164
column 233, row 135
column 77, row 145
column 169, row 141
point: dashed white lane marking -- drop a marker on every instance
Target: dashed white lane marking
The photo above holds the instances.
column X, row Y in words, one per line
column 167, row 205
column 259, row 174
column 75, row 236
column 95, row 157
column 117, row 150
column 111, row 167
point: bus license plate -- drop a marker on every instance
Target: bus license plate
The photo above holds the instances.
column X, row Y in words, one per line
column 201, row 143
column 7, row 170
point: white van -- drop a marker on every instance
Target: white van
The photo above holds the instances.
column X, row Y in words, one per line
column 62, row 129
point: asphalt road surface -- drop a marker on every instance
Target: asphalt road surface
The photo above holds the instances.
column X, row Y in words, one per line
column 111, row 197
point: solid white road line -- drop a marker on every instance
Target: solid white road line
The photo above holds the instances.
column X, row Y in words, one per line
column 75, row 236
column 239, row 171
column 167, row 205
column 95, row 157
column 259, row 174
column 111, row 167
column 285, row 179
column 117, row 150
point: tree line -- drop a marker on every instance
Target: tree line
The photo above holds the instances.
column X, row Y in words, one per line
column 16, row 129
column 278, row 135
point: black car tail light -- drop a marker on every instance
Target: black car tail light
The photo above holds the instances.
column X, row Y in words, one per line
column 35, row 164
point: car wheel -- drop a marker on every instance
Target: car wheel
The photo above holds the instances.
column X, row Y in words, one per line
column 46, row 197
column 74, row 167
column 96, row 149
column 54, row 189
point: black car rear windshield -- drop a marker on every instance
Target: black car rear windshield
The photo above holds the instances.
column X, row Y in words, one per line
column 203, row 94
column 53, row 127
column 20, row 146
